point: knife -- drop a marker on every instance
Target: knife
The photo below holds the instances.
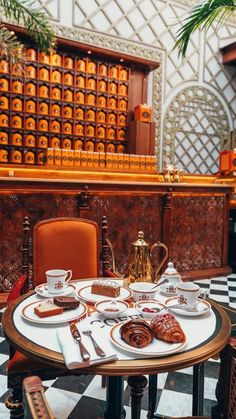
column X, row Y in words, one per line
column 77, row 337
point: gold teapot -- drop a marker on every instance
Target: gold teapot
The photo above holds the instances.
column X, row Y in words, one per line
column 139, row 268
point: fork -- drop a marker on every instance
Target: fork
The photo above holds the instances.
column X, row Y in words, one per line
column 85, row 329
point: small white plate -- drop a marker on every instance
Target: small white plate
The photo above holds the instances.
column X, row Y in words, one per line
column 68, row 315
column 111, row 308
column 42, row 290
column 86, row 295
column 154, row 349
column 140, row 305
column 202, row 307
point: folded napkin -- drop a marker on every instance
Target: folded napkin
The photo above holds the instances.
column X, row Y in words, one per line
column 71, row 351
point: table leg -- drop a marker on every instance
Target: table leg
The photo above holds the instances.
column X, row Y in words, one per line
column 114, row 399
column 198, row 389
column 152, row 395
column 137, row 385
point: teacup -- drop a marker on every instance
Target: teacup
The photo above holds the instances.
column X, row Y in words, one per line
column 188, row 293
column 57, row 279
column 143, row 290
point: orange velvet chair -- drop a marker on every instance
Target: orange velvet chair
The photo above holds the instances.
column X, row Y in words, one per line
column 65, row 243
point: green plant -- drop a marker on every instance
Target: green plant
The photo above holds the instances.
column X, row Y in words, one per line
column 201, row 16
column 23, row 12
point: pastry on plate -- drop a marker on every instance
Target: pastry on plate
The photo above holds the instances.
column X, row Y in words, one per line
column 137, row 333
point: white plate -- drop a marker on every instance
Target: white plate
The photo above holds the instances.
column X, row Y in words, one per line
column 202, row 307
column 139, row 306
column 86, row 295
column 156, row 348
column 42, row 290
column 68, row 315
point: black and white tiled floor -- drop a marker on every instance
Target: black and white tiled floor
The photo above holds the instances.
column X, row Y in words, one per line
column 84, row 398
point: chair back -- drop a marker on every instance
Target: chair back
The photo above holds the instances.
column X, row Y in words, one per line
column 66, row 243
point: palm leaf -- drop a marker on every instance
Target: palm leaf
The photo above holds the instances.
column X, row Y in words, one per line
column 35, row 21
column 201, row 16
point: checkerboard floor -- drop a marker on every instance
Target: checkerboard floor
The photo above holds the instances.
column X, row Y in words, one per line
column 83, row 397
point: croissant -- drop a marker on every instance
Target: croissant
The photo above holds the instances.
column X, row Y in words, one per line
column 167, row 328
column 137, row 333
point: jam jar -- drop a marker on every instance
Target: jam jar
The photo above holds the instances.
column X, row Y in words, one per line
column 56, row 93
column 101, row 116
column 78, row 144
column 16, row 104
column 113, row 87
column 44, row 58
column 30, row 89
column 111, row 133
column 122, row 119
column 17, row 86
column 30, row 123
column 80, row 65
column 67, row 128
column 66, row 143
column 79, row 113
column 55, row 126
column 112, row 103
column 123, row 90
column 67, row 112
column 79, row 96
column 54, row 142
column 68, row 63
column 44, row 74
column 16, row 121
column 100, row 131
column 100, row 147
column 103, row 69
column 4, row 85
column 31, row 54
column 123, row 104
column 3, row 138
column 3, row 156
column 56, row 76
column 80, row 81
column 91, row 67
column 30, row 106
column 68, row 95
column 16, row 156
column 90, row 131
column 55, row 109
column 113, row 72
column 29, row 140
column 16, row 139
column 112, row 118
column 79, row 129
column 29, row 157
column 89, row 146
column 91, row 83
column 102, row 102
column 68, row 79
column 40, row 157
column 31, row 71
column 17, row 70
column 56, row 60
column 4, row 66
column 123, row 74
column 42, row 141
column 4, row 120
column 43, row 108
column 44, row 91
column 120, row 148
column 4, row 102
column 110, row 148
column 43, row 125
column 121, row 134
column 102, row 86
column 90, row 115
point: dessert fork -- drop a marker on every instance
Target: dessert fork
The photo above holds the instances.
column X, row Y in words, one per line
column 86, row 330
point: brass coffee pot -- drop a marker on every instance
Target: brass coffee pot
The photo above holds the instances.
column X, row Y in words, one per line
column 139, row 267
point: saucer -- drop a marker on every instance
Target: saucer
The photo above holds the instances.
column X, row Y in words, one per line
column 203, row 307
column 164, row 290
column 42, row 290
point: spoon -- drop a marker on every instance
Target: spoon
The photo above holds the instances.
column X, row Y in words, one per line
column 160, row 283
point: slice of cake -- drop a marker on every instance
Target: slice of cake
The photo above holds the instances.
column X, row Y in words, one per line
column 105, row 287
column 47, row 309
column 68, row 303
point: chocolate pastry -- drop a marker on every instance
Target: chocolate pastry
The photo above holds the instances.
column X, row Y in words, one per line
column 66, row 302
column 167, row 328
column 136, row 333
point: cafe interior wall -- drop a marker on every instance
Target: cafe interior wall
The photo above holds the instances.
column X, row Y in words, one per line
column 194, row 99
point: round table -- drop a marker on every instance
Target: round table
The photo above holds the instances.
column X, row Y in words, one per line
column 115, row 371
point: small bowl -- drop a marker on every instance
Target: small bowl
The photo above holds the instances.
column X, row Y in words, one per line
column 111, row 308
column 143, row 290
column 149, row 304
